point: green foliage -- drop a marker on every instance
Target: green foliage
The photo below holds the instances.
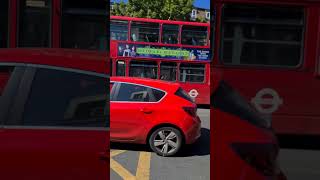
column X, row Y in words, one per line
column 119, row 9
column 201, row 19
column 159, row 9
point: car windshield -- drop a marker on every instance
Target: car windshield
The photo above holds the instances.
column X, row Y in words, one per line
column 226, row 99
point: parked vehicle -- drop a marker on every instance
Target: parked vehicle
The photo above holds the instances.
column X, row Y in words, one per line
column 53, row 114
column 154, row 112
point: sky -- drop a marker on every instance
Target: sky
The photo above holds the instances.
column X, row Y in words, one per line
column 198, row 3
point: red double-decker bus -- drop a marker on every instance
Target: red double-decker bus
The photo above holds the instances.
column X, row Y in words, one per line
column 54, row 24
column 174, row 51
column 269, row 51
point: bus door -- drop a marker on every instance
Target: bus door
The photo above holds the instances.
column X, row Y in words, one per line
column 262, row 52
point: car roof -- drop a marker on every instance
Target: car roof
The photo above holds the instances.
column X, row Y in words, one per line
column 159, row 84
column 86, row 60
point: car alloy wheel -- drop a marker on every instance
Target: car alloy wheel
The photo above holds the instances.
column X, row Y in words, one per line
column 165, row 141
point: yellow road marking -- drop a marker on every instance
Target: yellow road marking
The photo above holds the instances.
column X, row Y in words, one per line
column 124, row 173
column 143, row 168
column 117, row 152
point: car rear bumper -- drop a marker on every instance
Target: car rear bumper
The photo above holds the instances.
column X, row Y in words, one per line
column 194, row 132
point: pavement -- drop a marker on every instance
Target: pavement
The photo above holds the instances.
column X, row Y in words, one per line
column 138, row 162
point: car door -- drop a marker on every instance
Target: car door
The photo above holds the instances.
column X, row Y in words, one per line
column 130, row 109
column 10, row 77
column 57, row 127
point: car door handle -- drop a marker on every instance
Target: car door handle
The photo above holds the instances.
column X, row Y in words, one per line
column 146, row 110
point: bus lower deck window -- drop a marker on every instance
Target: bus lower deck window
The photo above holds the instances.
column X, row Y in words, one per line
column 192, row 73
column 4, row 4
column 143, row 69
column 264, row 35
column 83, row 30
column 34, row 23
column 168, row 71
column 121, row 68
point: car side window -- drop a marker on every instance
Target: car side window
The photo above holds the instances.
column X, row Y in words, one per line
column 158, row 95
column 137, row 93
column 111, row 85
column 66, row 99
column 5, row 73
column 131, row 92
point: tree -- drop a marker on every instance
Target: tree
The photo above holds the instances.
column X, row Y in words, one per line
column 201, row 19
column 159, row 9
column 119, row 9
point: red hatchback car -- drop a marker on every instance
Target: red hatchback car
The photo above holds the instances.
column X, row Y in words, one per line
column 245, row 146
column 53, row 114
column 152, row 112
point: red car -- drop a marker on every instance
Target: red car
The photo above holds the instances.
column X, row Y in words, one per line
column 244, row 145
column 152, row 112
column 54, row 123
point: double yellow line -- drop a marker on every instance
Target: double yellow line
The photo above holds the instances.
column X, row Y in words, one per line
column 143, row 168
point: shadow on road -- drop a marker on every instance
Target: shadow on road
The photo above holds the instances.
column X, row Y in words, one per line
column 130, row 147
column 200, row 148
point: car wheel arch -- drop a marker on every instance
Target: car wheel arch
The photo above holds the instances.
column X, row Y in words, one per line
column 166, row 125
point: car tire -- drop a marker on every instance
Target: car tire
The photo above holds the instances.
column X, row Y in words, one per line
column 165, row 141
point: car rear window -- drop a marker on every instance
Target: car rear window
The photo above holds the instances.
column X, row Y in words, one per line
column 228, row 100
column 183, row 94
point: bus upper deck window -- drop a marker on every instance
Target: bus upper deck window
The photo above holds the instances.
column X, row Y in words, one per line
column 145, row 31
column 194, row 35
column 170, row 34
column 119, row 30
column 263, row 35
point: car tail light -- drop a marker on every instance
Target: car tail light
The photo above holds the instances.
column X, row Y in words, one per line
column 262, row 157
column 192, row 111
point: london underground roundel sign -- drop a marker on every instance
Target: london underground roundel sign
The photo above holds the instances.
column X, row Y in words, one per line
column 267, row 101
column 193, row 93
